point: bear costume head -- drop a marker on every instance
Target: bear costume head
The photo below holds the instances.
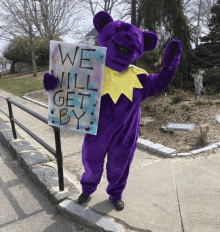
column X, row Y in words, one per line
column 125, row 42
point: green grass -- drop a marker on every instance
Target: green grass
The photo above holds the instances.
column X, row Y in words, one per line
column 22, row 85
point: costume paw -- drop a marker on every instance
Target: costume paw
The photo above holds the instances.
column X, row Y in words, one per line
column 50, row 81
column 172, row 53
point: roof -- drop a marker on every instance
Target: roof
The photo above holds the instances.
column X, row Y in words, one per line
column 93, row 32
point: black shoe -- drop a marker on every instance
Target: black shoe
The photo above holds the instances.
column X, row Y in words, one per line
column 119, row 204
column 82, row 198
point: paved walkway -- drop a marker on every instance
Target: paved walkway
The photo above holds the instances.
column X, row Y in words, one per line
column 162, row 194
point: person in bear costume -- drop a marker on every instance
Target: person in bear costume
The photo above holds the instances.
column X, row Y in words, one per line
column 125, row 86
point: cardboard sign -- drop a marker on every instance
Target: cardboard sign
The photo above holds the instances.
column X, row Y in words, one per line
column 75, row 103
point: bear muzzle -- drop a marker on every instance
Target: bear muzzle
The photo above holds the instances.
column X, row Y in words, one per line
column 123, row 50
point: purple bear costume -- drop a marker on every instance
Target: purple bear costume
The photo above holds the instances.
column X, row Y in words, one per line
column 119, row 123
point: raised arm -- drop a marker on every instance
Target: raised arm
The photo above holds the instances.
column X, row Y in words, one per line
column 156, row 83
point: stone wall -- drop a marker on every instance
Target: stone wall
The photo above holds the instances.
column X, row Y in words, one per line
column 22, row 67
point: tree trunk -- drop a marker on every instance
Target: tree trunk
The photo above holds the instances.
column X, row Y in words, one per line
column 34, row 64
column 33, row 59
column 200, row 4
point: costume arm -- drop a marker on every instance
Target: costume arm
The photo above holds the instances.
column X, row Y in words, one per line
column 156, row 83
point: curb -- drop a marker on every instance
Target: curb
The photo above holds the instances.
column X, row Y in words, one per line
column 160, row 150
column 34, row 101
column 41, row 172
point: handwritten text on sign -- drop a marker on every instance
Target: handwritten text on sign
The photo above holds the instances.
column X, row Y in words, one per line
column 75, row 103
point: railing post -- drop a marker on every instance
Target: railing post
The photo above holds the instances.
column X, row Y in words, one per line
column 57, row 153
column 11, row 116
column 59, row 157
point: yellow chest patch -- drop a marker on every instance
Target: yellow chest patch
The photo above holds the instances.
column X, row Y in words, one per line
column 116, row 83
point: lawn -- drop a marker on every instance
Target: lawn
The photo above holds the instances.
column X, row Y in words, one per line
column 21, row 85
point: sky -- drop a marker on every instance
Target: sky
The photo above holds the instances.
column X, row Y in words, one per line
column 87, row 23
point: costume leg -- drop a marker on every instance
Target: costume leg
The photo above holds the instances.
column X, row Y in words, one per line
column 94, row 150
column 120, row 155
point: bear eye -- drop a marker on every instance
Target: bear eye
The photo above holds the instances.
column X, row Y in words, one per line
column 136, row 34
column 118, row 29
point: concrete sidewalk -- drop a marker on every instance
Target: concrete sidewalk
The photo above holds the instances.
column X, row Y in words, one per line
column 162, row 193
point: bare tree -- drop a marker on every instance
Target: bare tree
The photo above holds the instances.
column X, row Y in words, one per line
column 54, row 18
column 104, row 5
column 45, row 18
column 15, row 20
column 3, row 64
column 191, row 9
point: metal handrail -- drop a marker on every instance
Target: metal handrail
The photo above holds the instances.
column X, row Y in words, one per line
column 57, row 153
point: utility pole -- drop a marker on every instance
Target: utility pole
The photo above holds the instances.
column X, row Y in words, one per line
column 198, row 28
column 133, row 17
column 133, row 12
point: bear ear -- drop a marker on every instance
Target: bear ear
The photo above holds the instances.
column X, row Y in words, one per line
column 150, row 40
column 101, row 19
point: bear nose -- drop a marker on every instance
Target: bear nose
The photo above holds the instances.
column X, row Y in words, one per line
column 128, row 37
